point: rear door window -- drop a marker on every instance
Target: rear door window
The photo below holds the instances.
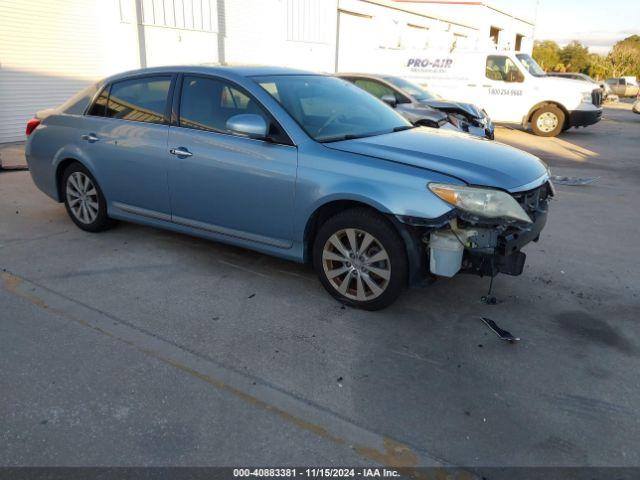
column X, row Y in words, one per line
column 139, row 99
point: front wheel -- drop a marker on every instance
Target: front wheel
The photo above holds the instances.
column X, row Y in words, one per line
column 548, row 121
column 360, row 259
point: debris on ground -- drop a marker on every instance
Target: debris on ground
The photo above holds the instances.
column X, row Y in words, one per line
column 502, row 334
column 489, row 299
column 573, row 181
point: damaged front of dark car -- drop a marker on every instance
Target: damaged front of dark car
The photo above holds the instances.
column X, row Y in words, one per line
column 419, row 105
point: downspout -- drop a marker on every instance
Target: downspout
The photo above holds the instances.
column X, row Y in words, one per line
column 142, row 47
column 222, row 30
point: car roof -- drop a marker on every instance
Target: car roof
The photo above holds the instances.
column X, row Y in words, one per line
column 239, row 70
column 367, row 75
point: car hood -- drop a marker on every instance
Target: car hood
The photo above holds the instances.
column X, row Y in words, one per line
column 476, row 161
column 568, row 84
column 459, row 107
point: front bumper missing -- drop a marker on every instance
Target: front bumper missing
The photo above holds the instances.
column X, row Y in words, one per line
column 489, row 250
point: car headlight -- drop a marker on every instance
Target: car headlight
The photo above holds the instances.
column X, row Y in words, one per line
column 586, row 97
column 483, row 202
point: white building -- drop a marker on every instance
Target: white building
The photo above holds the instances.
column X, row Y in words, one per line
column 49, row 49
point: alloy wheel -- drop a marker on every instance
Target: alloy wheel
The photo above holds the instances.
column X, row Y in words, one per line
column 82, row 197
column 356, row 264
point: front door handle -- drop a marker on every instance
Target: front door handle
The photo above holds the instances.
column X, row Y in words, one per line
column 180, row 152
column 90, row 137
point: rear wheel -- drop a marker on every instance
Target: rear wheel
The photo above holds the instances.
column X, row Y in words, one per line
column 548, row 121
column 84, row 200
column 360, row 259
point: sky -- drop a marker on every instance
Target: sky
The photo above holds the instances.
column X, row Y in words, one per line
column 595, row 23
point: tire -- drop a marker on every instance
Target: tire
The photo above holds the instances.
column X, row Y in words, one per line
column 548, row 121
column 84, row 200
column 370, row 285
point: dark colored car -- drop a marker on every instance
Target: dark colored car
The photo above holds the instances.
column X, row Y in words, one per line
column 415, row 103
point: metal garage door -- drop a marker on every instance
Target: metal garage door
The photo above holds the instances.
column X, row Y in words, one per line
column 48, row 51
column 356, row 42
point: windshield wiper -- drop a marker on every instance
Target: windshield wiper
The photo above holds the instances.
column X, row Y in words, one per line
column 403, row 127
column 339, row 138
column 353, row 136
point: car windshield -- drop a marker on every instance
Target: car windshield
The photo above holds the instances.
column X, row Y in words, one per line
column 531, row 65
column 416, row 91
column 330, row 109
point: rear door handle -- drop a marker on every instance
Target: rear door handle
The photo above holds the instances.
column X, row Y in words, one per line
column 180, row 152
column 90, row 137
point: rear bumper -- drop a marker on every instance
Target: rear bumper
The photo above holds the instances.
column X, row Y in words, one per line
column 583, row 118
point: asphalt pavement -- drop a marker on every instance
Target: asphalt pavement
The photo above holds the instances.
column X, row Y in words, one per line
column 138, row 346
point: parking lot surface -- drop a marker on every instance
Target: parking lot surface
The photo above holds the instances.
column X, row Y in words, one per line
column 144, row 347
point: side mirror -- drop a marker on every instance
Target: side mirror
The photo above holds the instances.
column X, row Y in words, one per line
column 249, row 124
column 390, row 100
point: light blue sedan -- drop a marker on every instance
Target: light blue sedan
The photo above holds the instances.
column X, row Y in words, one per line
column 303, row 166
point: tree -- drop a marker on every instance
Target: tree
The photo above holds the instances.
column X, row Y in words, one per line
column 575, row 57
column 624, row 57
column 599, row 66
column 547, row 54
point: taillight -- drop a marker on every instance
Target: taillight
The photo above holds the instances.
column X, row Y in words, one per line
column 31, row 125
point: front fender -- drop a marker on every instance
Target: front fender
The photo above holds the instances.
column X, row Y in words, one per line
column 389, row 187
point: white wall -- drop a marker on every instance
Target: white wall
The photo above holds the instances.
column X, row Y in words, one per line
column 49, row 49
column 483, row 17
column 178, row 31
column 293, row 33
column 369, row 30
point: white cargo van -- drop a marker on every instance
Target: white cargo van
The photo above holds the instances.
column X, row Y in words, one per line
column 510, row 86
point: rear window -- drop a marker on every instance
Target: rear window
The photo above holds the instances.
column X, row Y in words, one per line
column 77, row 104
column 139, row 99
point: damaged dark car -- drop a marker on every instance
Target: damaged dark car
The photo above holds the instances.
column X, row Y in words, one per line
column 422, row 107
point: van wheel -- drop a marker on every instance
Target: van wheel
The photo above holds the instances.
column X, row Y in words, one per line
column 84, row 200
column 547, row 121
column 360, row 259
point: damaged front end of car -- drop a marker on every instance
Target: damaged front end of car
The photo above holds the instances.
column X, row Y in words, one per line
column 485, row 231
